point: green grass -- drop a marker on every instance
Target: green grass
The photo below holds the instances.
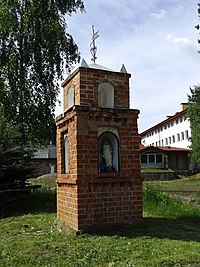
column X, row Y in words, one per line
column 186, row 188
column 30, row 236
column 160, row 203
column 155, row 170
column 183, row 184
column 47, row 181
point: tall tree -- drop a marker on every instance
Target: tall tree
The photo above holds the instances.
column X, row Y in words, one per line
column 34, row 49
column 194, row 116
column 197, row 26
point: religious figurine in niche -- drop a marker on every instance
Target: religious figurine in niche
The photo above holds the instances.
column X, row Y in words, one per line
column 106, row 156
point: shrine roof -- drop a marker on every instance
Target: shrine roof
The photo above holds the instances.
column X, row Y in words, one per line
column 99, row 67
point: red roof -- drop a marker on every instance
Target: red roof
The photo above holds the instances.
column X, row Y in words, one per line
column 162, row 149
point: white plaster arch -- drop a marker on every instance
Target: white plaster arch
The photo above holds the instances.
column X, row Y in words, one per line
column 70, row 97
column 105, row 95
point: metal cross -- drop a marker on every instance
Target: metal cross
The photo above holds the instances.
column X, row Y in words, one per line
column 93, row 48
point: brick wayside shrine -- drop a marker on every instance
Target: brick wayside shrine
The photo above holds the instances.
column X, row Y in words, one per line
column 98, row 158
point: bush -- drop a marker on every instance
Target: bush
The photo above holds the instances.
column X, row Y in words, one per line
column 162, row 204
column 14, row 168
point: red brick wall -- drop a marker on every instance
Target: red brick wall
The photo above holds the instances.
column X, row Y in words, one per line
column 85, row 83
column 86, row 197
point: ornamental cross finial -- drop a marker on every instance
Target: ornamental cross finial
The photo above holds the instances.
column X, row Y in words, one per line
column 93, row 48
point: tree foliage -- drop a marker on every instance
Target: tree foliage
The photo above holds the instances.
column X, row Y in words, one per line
column 14, row 159
column 194, row 114
column 194, row 117
column 197, row 26
column 34, row 49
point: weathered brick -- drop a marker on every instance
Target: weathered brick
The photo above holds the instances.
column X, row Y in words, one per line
column 85, row 196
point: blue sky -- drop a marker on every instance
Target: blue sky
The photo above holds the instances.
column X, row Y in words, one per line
column 156, row 41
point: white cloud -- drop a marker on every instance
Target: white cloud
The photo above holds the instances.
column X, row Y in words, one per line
column 161, row 14
column 178, row 40
column 184, row 45
column 163, row 65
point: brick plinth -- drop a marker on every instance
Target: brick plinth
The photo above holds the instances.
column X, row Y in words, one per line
column 100, row 202
column 86, row 196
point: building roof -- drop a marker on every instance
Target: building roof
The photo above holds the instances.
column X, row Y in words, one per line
column 100, row 67
column 163, row 149
column 93, row 67
column 48, row 152
column 164, row 122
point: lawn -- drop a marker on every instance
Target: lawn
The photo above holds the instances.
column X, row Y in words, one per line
column 169, row 235
column 187, row 188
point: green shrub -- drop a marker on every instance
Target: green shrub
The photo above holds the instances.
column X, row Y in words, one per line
column 159, row 203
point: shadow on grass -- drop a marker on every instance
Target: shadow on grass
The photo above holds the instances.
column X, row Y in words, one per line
column 41, row 201
column 185, row 229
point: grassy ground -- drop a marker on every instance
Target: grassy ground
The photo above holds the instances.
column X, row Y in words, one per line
column 169, row 235
column 186, row 189
column 155, row 170
column 183, row 184
column 47, row 181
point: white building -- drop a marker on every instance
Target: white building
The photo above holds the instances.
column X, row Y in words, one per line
column 172, row 132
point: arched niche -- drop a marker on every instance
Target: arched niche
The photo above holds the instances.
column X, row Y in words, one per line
column 108, row 152
column 105, row 95
column 70, row 98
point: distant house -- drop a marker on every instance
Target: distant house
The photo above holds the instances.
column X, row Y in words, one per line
column 44, row 161
column 174, row 158
column 166, row 144
column 174, row 131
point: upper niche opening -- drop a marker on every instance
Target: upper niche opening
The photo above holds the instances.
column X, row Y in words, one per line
column 70, row 98
column 105, row 95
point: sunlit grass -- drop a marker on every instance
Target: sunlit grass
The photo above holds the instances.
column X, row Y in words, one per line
column 46, row 181
column 169, row 236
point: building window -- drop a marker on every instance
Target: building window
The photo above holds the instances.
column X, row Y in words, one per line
column 151, row 158
column 170, row 140
column 173, row 139
column 162, row 142
column 108, row 152
column 143, row 159
column 182, row 135
column 178, row 137
column 105, row 95
column 186, row 134
column 159, row 158
column 166, row 141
